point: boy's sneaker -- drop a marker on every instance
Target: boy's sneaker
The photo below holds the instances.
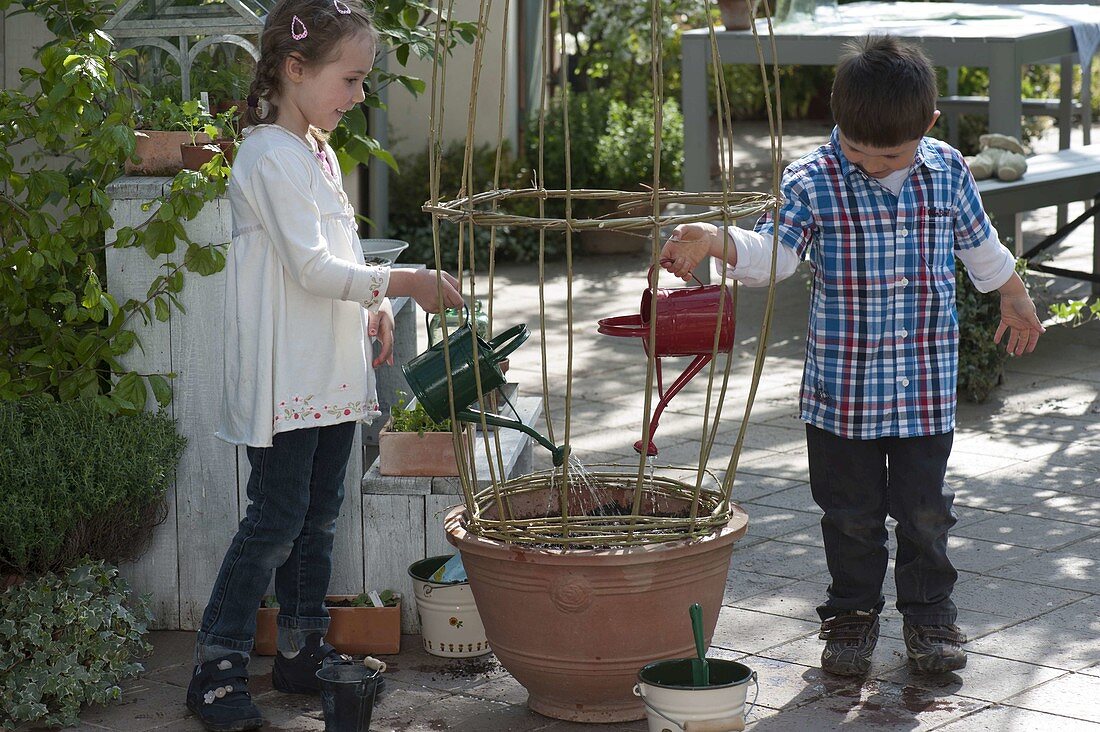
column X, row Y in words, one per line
column 218, row 695
column 935, row 649
column 850, row 640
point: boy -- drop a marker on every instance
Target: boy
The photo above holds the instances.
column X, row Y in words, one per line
column 878, row 211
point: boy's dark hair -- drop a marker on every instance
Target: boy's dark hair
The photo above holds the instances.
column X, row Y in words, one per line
column 884, row 93
column 326, row 23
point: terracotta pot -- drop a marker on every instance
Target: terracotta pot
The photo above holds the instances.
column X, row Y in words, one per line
column 158, row 151
column 196, row 156
column 736, row 14
column 410, row 453
column 575, row 626
column 352, row 630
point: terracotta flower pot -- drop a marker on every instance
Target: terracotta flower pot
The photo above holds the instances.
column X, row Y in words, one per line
column 158, row 151
column 736, row 14
column 196, row 156
column 352, row 630
column 410, row 453
column 574, row 627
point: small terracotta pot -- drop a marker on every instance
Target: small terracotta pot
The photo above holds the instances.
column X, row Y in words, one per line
column 352, row 630
column 158, row 151
column 409, row 453
column 196, row 156
column 574, row 626
column 736, row 14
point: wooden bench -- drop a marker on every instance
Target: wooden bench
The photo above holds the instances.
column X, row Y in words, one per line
column 1051, row 179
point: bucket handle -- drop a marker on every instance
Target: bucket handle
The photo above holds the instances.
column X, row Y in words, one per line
column 683, row 725
column 508, row 341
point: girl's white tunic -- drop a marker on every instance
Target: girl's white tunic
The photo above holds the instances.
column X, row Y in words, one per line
column 296, row 350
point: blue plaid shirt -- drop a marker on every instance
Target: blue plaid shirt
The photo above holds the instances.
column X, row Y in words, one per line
column 883, row 340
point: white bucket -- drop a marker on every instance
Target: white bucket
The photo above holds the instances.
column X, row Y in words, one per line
column 449, row 623
column 674, row 705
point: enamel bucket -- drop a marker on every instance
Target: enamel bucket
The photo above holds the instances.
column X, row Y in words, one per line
column 449, row 623
column 673, row 704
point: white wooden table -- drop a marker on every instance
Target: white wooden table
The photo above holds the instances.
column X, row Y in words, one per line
column 1023, row 34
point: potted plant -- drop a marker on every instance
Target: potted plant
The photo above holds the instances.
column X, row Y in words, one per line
column 356, row 625
column 201, row 132
column 160, row 129
column 413, row 444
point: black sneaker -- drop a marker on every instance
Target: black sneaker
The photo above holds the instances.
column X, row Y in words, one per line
column 935, row 649
column 850, row 640
column 218, row 695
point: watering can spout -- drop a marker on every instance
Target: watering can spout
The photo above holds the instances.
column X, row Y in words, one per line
column 558, row 452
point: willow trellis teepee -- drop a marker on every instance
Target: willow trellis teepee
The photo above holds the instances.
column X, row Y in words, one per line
column 569, row 515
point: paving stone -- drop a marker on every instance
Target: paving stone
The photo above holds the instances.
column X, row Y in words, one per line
column 144, row 704
column 784, row 684
column 977, row 555
column 1029, row 531
column 1041, row 476
column 985, row 678
column 1011, row 598
column 415, row 667
column 877, row 705
column 750, row 632
column 1070, row 695
column 741, row 584
column 796, row 498
column 796, row 600
column 992, row 494
column 1069, row 507
column 1066, row 638
column 1076, row 567
column 962, row 467
column 974, row 443
column 1013, row 719
column 781, row 559
column 771, row 522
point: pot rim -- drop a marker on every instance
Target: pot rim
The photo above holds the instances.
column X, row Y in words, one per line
column 454, row 524
column 722, row 661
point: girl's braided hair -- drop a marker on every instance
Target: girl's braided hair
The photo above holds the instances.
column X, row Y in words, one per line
column 326, row 22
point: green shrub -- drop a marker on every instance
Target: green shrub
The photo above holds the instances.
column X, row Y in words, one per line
column 624, row 152
column 68, row 640
column 412, row 187
column 79, row 481
column 981, row 360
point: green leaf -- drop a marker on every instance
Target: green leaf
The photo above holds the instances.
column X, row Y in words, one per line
column 161, row 389
column 130, row 390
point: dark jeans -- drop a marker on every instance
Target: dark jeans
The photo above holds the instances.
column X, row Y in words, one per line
column 857, row 483
column 295, row 491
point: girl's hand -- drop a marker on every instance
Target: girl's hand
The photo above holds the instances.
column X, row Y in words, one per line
column 420, row 285
column 380, row 326
column 1019, row 320
column 687, row 246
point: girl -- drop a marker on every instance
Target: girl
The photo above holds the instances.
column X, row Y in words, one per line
column 297, row 374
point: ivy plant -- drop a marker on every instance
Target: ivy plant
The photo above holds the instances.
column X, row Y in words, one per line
column 63, row 137
column 69, row 640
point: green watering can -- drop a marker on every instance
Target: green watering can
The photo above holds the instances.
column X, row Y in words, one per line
column 426, row 375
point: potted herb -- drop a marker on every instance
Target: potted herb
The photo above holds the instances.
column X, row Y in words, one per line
column 413, row 444
column 160, row 131
column 201, row 130
column 356, row 625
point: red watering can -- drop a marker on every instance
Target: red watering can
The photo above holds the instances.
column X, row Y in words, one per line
column 687, row 318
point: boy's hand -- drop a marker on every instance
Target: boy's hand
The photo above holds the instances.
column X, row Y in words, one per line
column 687, row 246
column 380, row 326
column 1018, row 319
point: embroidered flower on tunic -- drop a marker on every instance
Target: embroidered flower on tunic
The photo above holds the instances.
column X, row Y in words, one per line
column 307, row 411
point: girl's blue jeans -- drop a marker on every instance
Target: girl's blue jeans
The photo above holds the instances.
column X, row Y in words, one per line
column 295, row 490
column 857, row 484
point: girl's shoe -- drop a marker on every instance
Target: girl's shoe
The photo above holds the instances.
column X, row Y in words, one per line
column 850, row 640
column 935, row 649
column 298, row 675
column 218, row 695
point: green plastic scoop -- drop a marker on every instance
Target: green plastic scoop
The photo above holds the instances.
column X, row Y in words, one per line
column 700, row 672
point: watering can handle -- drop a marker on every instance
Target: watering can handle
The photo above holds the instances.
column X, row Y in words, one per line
column 623, row 325
column 443, row 314
column 666, row 259
column 517, row 334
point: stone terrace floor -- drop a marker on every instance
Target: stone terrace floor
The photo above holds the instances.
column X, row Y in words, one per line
column 1025, row 470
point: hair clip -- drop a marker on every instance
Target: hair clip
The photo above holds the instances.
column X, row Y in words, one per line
column 296, row 23
column 341, row 7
